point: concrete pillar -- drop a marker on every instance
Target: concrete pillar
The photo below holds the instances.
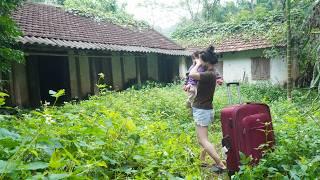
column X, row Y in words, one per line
column 19, row 85
column 84, row 72
column 138, row 71
column 182, row 67
column 152, row 61
column 74, row 84
column 129, row 68
column 176, row 67
column 116, row 71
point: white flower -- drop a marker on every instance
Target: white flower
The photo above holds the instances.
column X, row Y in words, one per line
column 49, row 119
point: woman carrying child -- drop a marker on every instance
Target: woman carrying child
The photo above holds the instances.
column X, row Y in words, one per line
column 202, row 108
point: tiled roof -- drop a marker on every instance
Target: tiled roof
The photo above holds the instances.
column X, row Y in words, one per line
column 54, row 24
column 236, row 44
column 98, row 46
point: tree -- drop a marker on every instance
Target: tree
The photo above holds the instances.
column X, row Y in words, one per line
column 192, row 7
column 289, row 56
column 8, row 34
column 314, row 23
column 209, row 8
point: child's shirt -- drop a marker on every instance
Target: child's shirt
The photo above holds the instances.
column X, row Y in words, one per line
column 190, row 80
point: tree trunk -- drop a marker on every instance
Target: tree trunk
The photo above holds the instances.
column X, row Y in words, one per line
column 188, row 4
column 251, row 4
column 289, row 53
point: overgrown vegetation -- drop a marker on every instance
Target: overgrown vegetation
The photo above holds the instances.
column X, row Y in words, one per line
column 8, row 33
column 146, row 134
column 262, row 18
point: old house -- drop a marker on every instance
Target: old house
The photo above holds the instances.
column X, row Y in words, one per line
column 67, row 51
column 243, row 60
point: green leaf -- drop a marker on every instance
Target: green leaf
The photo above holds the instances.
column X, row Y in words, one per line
column 8, row 167
column 2, row 97
column 55, row 160
column 4, row 133
column 9, row 143
column 58, row 176
column 138, row 158
column 58, row 94
column 244, row 160
column 2, row 94
column 36, row 165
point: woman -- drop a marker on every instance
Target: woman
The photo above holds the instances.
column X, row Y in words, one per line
column 202, row 105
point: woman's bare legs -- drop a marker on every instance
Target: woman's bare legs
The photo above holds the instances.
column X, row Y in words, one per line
column 202, row 134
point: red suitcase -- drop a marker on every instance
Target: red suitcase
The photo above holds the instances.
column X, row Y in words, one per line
column 246, row 128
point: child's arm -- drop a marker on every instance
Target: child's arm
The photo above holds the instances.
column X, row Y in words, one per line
column 219, row 78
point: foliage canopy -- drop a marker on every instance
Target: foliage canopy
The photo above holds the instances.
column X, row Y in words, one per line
column 8, row 33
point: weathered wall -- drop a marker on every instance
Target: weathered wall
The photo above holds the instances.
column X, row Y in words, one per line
column 175, row 69
column 153, row 72
column 129, row 68
column 182, row 67
column 84, row 72
column 19, row 86
column 116, row 71
column 278, row 70
column 74, row 84
column 237, row 67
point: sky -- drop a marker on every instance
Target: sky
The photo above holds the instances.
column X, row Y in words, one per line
column 161, row 19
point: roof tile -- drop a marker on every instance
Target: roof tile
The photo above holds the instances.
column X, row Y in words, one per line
column 39, row 20
column 235, row 44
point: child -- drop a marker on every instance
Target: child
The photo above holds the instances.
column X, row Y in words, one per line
column 190, row 85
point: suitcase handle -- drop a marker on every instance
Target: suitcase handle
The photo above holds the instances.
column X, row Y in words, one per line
column 233, row 83
column 229, row 91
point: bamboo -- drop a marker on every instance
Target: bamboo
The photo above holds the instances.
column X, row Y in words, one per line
column 289, row 48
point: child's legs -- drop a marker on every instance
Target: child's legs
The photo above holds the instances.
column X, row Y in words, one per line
column 192, row 93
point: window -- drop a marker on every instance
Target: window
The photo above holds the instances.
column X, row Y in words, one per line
column 260, row 68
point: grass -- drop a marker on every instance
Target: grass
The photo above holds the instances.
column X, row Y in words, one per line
column 139, row 134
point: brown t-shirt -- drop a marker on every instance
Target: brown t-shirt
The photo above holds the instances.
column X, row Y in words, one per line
column 205, row 90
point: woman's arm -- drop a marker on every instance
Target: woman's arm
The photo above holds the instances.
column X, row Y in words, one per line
column 194, row 74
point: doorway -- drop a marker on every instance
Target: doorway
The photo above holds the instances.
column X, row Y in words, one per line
column 53, row 73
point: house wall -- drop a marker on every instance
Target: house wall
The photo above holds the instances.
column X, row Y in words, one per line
column 278, row 70
column 182, row 67
column 129, row 64
column 74, row 84
column 84, row 72
column 168, row 68
column 237, row 67
column 153, row 69
column 18, row 85
column 79, row 69
column 116, row 72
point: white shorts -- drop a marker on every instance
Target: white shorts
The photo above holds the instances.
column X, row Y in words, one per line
column 202, row 117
